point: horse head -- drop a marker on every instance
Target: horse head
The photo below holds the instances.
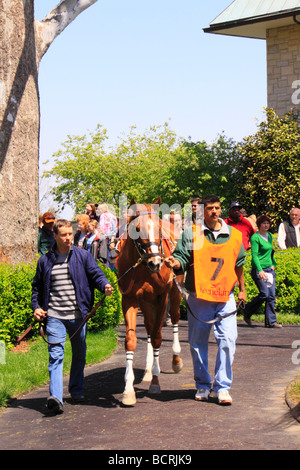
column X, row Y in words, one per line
column 144, row 229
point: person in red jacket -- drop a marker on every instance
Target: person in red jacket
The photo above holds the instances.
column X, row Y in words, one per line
column 237, row 220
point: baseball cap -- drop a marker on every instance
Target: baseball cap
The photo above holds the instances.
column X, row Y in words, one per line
column 48, row 217
column 235, row 204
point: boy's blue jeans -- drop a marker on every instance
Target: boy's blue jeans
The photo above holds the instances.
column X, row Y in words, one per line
column 225, row 332
column 56, row 331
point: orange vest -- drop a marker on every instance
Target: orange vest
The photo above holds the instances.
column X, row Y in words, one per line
column 214, row 265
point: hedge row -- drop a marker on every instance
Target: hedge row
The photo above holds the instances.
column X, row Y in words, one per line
column 15, row 303
column 15, row 295
column 287, row 281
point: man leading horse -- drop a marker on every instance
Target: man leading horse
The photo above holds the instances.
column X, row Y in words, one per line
column 213, row 256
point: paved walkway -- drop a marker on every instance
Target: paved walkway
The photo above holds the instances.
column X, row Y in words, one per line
column 259, row 418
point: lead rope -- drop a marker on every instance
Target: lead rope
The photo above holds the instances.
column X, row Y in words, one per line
column 185, row 297
column 22, row 336
column 92, row 312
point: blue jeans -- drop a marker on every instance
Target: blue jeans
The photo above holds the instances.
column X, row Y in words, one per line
column 266, row 295
column 225, row 332
column 56, row 331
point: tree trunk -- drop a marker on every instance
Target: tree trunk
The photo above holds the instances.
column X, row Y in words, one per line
column 23, row 41
column 19, row 133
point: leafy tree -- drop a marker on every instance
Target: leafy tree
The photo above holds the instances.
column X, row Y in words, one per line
column 143, row 166
column 86, row 169
column 270, row 167
column 146, row 161
column 83, row 171
column 206, row 169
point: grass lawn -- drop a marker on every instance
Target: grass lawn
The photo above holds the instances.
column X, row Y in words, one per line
column 286, row 319
column 294, row 390
column 26, row 368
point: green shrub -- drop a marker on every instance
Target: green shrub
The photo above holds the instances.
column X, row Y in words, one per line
column 15, row 300
column 109, row 313
column 287, row 282
column 15, row 303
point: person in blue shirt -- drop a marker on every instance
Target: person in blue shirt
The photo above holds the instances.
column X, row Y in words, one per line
column 63, row 295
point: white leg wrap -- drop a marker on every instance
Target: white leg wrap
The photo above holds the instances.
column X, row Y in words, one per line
column 156, row 368
column 149, row 357
column 129, row 375
column 176, row 344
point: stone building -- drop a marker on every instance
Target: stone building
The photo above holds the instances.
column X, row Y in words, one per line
column 278, row 23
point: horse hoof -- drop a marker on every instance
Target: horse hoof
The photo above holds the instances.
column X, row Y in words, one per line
column 148, row 376
column 154, row 389
column 177, row 367
column 129, row 399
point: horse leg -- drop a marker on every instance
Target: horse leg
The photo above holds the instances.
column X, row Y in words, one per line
column 152, row 361
column 154, row 386
column 129, row 397
column 158, row 316
column 147, row 310
column 149, row 361
column 177, row 363
column 175, row 298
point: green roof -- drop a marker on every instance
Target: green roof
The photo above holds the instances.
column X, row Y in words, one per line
column 252, row 18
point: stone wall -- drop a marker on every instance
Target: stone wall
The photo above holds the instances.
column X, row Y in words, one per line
column 283, row 68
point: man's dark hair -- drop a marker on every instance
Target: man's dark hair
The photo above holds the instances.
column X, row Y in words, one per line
column 196, row 199
column 61, row 223
column 210, row 199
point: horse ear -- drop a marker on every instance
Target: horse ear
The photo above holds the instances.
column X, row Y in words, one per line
column 158, row 201
column 132, row 202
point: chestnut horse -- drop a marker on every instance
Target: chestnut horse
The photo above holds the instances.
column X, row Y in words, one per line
column 145, row 282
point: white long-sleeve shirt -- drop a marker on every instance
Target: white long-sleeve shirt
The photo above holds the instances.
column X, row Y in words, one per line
column 282, row 236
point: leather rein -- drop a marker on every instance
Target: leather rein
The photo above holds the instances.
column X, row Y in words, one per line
column 185, row 296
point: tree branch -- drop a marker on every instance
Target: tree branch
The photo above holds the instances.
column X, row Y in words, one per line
column 57, row 20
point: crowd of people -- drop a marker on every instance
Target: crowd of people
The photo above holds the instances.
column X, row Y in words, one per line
column 211, row 251
column 96, row 232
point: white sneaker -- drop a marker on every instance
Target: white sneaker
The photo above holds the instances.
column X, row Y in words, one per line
column 202, row 394
column 223, row 397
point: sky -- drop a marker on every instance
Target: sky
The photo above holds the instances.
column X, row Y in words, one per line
column 124, row 63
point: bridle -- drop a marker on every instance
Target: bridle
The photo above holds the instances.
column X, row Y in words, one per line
column 142, row 247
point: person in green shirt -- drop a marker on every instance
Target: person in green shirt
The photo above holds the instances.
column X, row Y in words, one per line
column 202, row 312
column 263, row 274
